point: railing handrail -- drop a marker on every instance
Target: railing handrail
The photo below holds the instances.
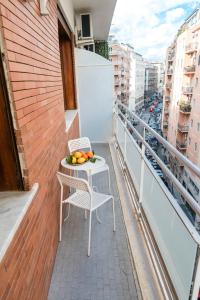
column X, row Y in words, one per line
column 167, row 145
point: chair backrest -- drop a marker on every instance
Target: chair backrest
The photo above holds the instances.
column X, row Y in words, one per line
column 73, row 182
column 79, row 144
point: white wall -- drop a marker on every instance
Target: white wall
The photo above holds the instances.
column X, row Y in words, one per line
column 67, row 9
column 95, row 93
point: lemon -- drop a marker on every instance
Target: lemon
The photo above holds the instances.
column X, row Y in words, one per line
column 80, row 160
column 73, row 160
column 77, row 154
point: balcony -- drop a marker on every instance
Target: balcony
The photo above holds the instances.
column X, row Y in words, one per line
column 189, row 69
column 170, row 72
column 170, row 57
column 167, row 98
column 165, row 124
column 117, row 72
column 136, row 186
column 166, row 111
column 183, row 128
column 117, row 82
column 181, row 145
column 185, row 108
column 101, row 276
column 168, row 85
column 191, row 47
column 187, row 90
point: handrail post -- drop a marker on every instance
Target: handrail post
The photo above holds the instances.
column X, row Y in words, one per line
column 125, row 139
column 142, row 172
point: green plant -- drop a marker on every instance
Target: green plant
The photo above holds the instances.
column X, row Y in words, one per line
column 101, row 48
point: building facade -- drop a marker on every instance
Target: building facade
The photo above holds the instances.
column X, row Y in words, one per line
column 160, row 76
column 181, row 111
column 120, row 55
column 137, row 81
column 151, row 80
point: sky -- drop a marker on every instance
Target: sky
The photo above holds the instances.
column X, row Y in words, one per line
column 150, row 25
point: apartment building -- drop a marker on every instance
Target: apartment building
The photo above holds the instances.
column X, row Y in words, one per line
column 160, row 77
column 137, row 81
column 120, row 55
column 181, row 111
column 151, row 80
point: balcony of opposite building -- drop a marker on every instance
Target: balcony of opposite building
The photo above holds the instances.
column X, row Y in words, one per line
column 190, row 69
column 181, row 145
column 168, row 85
column 183, row 128
column 187, row 90
column 165, row 124
column 169, row 72
column 167, row 98
column 185, row 108
column 191, row 47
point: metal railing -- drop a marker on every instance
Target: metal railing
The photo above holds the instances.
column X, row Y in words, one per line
column 181, row 145
column 183, row 128
column 187, row 90
column 176, row 238
column 189, row 69
column 185, row 107
column 191, row 47
column 167, row 98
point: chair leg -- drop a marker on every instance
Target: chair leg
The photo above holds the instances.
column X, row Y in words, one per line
column 89, row 239
column 113, row 206
column 109, row 182
column 68, row 212
column 60, row 231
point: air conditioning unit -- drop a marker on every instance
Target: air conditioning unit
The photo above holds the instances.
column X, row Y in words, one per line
column 84, row 27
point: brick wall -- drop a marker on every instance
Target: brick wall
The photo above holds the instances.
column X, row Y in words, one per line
column 33, row 63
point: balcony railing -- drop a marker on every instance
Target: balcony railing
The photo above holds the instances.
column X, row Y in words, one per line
column 171, row 56
column 191, row 47
column 185, row 108
column 181, row 145
column 166, row 110
column 189, row 69
column 183, row 128
column 165, row 124
column 168, row 85
column 167, row 98
column 178, row 242
column 170, row 72
column 188, row 90
column 117, row 72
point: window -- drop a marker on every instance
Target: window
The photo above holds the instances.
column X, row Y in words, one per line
column 198, row 126
column 66, row 44
column 10, row 173
column 195, row 146
column 191, row 123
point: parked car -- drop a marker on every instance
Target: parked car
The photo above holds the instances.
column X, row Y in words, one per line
column 151, row 109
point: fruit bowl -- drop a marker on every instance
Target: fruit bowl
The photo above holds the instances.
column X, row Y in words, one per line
column 80, row 157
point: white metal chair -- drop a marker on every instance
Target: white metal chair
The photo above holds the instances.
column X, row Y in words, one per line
column 84, row 143
column 84, row 197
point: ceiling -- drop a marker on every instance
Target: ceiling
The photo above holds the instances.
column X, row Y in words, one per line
column 102, row 13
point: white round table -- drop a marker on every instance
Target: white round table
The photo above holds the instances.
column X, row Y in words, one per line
column 87, row 167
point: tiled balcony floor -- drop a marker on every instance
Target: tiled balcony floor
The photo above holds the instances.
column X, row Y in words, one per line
column 107, row 274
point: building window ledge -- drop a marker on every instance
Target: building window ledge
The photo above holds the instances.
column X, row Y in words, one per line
column 13, row 207
column 69, row 118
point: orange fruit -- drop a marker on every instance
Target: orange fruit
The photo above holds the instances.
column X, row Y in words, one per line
column 90, row 154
